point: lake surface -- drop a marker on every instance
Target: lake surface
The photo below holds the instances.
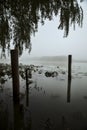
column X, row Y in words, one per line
column 50, row 103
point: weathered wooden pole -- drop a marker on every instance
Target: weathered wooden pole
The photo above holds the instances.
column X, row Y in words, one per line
column 28, row 76
column 27, row 85
column 27, row 82
column 15, row 74
column 69, row 66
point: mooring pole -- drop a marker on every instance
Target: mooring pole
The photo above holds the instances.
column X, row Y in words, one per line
column 27, row 82
column 69, row 66
column 27, row 86
column 15, row 74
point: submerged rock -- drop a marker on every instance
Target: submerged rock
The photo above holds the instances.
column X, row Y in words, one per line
column 40, row 72
column 51, row 74
column 54, row 74
column 63, row 72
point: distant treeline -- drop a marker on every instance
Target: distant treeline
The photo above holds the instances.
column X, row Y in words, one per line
column 50, row 58
column 57, row 58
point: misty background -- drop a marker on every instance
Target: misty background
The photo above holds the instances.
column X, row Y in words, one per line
column 49, row 41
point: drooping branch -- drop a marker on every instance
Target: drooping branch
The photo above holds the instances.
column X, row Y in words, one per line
column 19, row 19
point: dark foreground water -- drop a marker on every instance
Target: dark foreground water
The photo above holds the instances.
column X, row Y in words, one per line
column 49, row 103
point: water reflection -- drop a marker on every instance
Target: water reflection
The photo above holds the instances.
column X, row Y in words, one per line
column 27, row 96
column 36, row 110
column 22, row 117
column 18, row 116
column 69, row 91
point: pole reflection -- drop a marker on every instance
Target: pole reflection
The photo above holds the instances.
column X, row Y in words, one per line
column 69, row 91
column 18, row 116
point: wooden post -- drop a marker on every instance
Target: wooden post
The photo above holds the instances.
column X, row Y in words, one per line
column 28, row 76
column 27, row 82
column 15, row 74
column 69, row 66
column 27, row 87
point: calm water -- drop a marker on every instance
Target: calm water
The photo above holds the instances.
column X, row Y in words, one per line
column 51, row 103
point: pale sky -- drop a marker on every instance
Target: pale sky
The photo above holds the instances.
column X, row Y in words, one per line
column 49, row 41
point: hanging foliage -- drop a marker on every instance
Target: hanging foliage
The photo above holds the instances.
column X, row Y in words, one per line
column 19, row 19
